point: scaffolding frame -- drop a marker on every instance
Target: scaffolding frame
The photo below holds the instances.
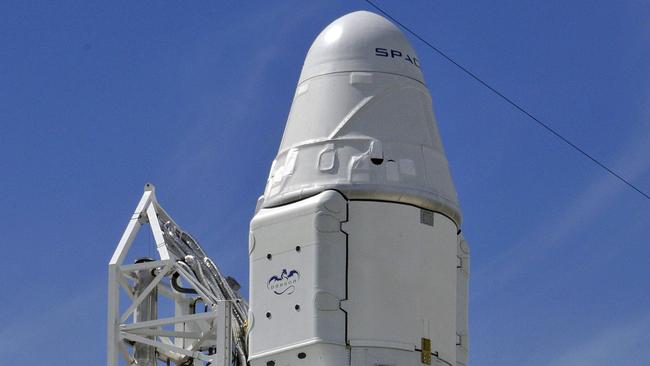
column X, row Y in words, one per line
column 214, row 337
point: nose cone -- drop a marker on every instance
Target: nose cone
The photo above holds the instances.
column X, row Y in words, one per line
column 361, row 41
column 362, row 123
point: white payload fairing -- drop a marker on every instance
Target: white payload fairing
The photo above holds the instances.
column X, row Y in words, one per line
column 356, row 256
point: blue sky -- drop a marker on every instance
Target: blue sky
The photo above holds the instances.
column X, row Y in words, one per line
column 97, row 98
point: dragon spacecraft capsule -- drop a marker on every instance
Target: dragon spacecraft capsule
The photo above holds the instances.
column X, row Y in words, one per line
column 356, row 256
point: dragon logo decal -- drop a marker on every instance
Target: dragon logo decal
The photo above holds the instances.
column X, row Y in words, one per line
column 285, row 283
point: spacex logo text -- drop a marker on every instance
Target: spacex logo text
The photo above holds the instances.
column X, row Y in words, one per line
column 387, row 52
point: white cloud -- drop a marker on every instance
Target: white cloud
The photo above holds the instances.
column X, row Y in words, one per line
column 58, row 326
column 633, row 163
column 625, row 343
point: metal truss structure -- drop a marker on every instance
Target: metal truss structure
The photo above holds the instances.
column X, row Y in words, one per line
column 210, row 316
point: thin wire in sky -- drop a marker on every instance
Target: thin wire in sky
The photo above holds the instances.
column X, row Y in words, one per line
column 511, row 102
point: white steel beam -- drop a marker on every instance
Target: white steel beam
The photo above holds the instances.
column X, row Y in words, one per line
column 126, row 286
column 157, row 232
column 113, row 340
column 145, row 292
column 168, row 347
column 224, row 334
column 132, row 229
column 166, row 333
column 172, row 320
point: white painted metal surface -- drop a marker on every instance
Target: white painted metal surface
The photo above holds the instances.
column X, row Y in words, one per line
column 356, row 256
column 402, row 282
column 462, row 293
column 297, row 280
column 362, row 122
column 370, row 279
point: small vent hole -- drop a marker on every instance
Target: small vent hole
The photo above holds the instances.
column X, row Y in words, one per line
column 302, row 355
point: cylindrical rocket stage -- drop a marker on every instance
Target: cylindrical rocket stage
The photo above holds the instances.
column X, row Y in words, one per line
column 355, row 252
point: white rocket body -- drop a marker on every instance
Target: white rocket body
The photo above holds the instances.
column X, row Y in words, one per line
column 355, row 252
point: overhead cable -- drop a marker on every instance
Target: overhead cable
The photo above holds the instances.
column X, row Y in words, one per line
column 512, row 103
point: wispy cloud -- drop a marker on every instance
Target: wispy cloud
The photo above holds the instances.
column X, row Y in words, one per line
column 57, row 327
column 633, row 162
column 237, row 104
column 625, row 343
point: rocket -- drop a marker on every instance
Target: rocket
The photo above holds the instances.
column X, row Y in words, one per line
column 356, row 253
